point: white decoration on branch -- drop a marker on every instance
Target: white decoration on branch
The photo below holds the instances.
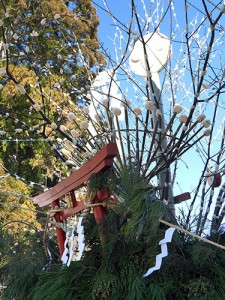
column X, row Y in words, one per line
column 74, row 133
column 71, row 116
column 207, row 132
column 97, row 116
column 125, row 102
column 183, row 118
column 177, row 109
column 53, row 125
column 2, row 71
column 137, row 111
column 57, row 16
column 15, row 36
column 21, row 89
column 201, row 117
column 86, row 110
column 5, row 46
column 149, row 105
column 105, row 102
column 43, row 21
column 63, row 128
column 84, row 125
column 206, row 123
column 158, row 113
column 116, row 111
column 37, row 107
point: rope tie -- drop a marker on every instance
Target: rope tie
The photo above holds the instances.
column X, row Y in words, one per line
column 103, row 203
column 61, row 225
column 84, row 213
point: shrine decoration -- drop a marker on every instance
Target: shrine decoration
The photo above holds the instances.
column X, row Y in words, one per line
column 100, row 162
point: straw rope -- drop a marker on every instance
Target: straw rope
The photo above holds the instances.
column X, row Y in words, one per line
column 192, row 234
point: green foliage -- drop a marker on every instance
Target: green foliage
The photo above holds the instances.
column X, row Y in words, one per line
column 156, row 292
column 46, row 41
column 121, row 249
column 20, row 263
column 24, row 278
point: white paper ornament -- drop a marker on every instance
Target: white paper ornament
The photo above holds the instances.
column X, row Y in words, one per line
column 53, row 125
column 71, row 116
column 157, row 47
column 37, row 107
column 183, row 118
column 116, row 111
column 57, row 16
column 21, row 89
column 137, row 111
column 201, row 117
column 84, row 125
column 105, row 102
column 206, row 123
column 207, row 132
column 86, row 110
column 177, row 109
column 74, row 133
column 149, row 105
column 2, row 71
column 62, row 128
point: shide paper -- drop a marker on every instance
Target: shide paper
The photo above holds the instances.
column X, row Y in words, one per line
column 164, row 251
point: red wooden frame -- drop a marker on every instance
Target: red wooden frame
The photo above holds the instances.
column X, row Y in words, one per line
column 101, row 161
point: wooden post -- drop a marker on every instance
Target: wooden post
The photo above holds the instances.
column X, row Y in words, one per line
column 61, row 235
column 73, row 198
column 99, row 211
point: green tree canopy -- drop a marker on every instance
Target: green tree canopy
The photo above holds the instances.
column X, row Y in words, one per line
column 49, row 50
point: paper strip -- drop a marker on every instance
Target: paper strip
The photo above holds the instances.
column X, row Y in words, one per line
column 71, row 249
column 65, row 256
column 69, row 244
column 81, row 245
column 164, row 251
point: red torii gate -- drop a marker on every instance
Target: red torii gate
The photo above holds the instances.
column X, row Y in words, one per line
column 101, row 161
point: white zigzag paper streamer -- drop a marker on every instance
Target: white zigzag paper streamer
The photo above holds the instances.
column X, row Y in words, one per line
column 69, row 244
column 81, row 245
column 64, row 257
column 164, row 251
column 71, row 249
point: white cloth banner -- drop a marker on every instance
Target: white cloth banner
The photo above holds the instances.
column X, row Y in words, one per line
column 164, row 251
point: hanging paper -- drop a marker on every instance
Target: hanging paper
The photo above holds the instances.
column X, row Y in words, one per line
column 164, row 251
column 81, row 245
column 71, row 249
column 65, row 256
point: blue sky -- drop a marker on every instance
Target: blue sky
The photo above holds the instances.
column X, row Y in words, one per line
column 190, row 166
column 121, row 10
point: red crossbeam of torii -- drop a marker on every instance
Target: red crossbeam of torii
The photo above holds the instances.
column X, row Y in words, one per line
column 101, row 161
